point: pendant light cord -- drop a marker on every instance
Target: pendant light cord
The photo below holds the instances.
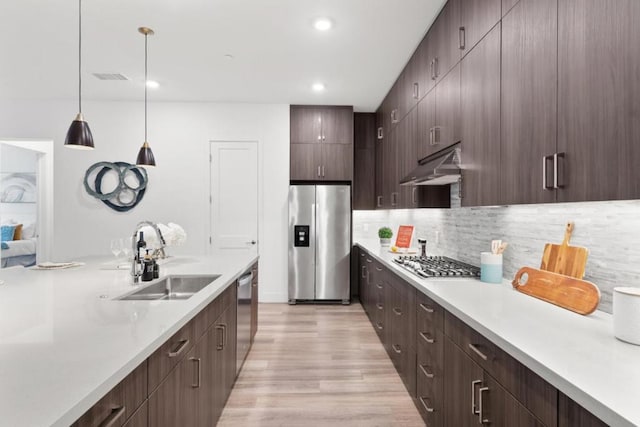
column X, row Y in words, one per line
column 80, row 56
column 145, row 87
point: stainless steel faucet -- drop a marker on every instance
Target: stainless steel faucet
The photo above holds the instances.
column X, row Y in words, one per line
column 136, row 270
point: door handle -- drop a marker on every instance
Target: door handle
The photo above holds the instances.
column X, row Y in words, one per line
column 318, row 171
column 380, row 133
column 545, row 161
column 427, row 338
column 474, row 411
column 198, row 372
column 179, row 349
column 379, row 200
column 323, row 171
column 396, row 348
column 414, row 192
column 220, row 345
column 426, row 308
column 477, row 351
column 481, row 390
column 364, row 267
column 425, row 406
column 461, row 38
column 556, row 182
column 426, row 373
column 416, row 91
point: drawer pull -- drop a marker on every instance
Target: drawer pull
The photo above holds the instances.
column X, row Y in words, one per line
column 223, row 341
column 425, row 406
column 114, row 416
column 396, row 348
column 378, row 285
column 179, row 349
column 397, row 311
column 474, row 411
column 378, row 268
column 477, row 351
column 379, row 326
column 380, row 306
column 198, row 372
column 427, row 308
column 368, row 260
column 427, row 338
column 426, row 373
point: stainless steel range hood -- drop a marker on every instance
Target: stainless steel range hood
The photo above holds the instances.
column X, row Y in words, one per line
column 439, row 169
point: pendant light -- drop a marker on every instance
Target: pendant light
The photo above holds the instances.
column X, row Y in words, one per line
column 79, row 135
column 145, row 155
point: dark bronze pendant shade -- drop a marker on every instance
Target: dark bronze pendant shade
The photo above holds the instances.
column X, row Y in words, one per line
column 145, row 155
column 79, row 135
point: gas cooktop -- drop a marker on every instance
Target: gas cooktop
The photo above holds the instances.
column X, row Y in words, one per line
column 437, row 266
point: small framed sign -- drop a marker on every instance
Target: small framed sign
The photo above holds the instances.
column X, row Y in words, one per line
column 404, row 236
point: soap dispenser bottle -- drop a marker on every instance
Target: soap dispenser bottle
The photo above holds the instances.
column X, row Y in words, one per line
column 147, row 267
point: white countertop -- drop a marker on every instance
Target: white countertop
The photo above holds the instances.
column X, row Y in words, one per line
column 64, row 341
column 578, row 355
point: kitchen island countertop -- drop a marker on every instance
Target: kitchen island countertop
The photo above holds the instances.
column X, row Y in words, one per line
column 65, row 342
column 578, row 355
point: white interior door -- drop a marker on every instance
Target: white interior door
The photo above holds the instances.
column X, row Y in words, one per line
column 234, row 195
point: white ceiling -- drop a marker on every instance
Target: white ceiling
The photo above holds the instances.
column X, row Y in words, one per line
column 277, row 52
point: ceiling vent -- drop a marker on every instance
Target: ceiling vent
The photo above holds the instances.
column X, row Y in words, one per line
column 110, row 76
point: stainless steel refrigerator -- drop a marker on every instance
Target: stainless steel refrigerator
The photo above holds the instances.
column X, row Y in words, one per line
column 319, row 243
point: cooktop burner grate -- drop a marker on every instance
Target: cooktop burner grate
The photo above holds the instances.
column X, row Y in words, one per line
column 437, row 266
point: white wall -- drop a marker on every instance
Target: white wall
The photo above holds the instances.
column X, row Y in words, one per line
column 16, row 159
column 178, row 190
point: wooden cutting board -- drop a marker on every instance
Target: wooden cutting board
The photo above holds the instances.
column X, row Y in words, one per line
column 567, row 292
column 565, row 259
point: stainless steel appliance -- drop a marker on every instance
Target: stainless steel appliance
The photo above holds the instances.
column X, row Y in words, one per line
column 437, row 266
column 319, row 243
column 243, row 331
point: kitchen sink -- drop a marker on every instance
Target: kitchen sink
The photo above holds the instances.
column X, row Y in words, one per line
column 175, row 287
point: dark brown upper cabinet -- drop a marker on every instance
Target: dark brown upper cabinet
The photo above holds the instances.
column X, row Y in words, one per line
column 407, row 160
column 529, row 96
column 390, row 174
column 321, row 143
column 381, row 135
column 445, row 46
column 439, row 116
column 477, row 18
column 598, row 101
column 480, row 121
column 364, row 174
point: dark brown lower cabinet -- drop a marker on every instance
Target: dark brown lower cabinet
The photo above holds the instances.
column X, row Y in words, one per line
column 570, row 414
column 473, row 397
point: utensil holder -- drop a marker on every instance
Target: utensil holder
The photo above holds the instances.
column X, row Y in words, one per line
column 490, row 267
column 626, row 314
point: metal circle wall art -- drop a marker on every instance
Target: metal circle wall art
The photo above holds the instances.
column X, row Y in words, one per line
column 131, row 184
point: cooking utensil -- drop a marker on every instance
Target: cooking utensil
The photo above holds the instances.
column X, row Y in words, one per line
column 567, row 292
column 502, row 247
column 495, row 245
column 565, row 259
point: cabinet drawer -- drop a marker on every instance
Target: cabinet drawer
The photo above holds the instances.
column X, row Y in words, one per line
column 110, row 410
column 430, row 316
column 164, row 359
column 209, row 314
column 533, row 392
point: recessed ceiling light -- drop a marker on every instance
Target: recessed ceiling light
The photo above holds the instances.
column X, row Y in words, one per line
column 322, row 24
column 318, row 87
column 152, row 84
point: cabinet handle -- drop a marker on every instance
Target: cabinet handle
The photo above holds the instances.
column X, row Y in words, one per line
column 435, row 67
column 323, row 171
column 364, row 267
column 481, row 390
column 220, row 345
column 474, row 411
column 324, row 137
column 436, row 135
column 114, row 416
column 430, row 136
column 179, row 349
column 460, row 188
column 379, row 326
column 380, row 133
column 556, row 183
column 545, row 161
column 414, row 198
column 394, row 199
column 427, row 338
column 318, row 171
column 379, row 201
column 319, row 137
column 462, row 38
column 198, row 372
column 426, row 373
column 424, row 405
column 426, row 308
column 416, row 91
column 378, row 268
column 380, row 306
column 396, row 348
column 397, row 311
column 369, row 260
column 477, row 351
column 433, row 76
column 379, row 286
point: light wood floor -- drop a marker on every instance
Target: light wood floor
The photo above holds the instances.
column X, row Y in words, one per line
column 318, row 365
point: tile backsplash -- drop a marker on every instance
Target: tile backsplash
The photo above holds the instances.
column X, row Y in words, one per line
column 610, row 230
